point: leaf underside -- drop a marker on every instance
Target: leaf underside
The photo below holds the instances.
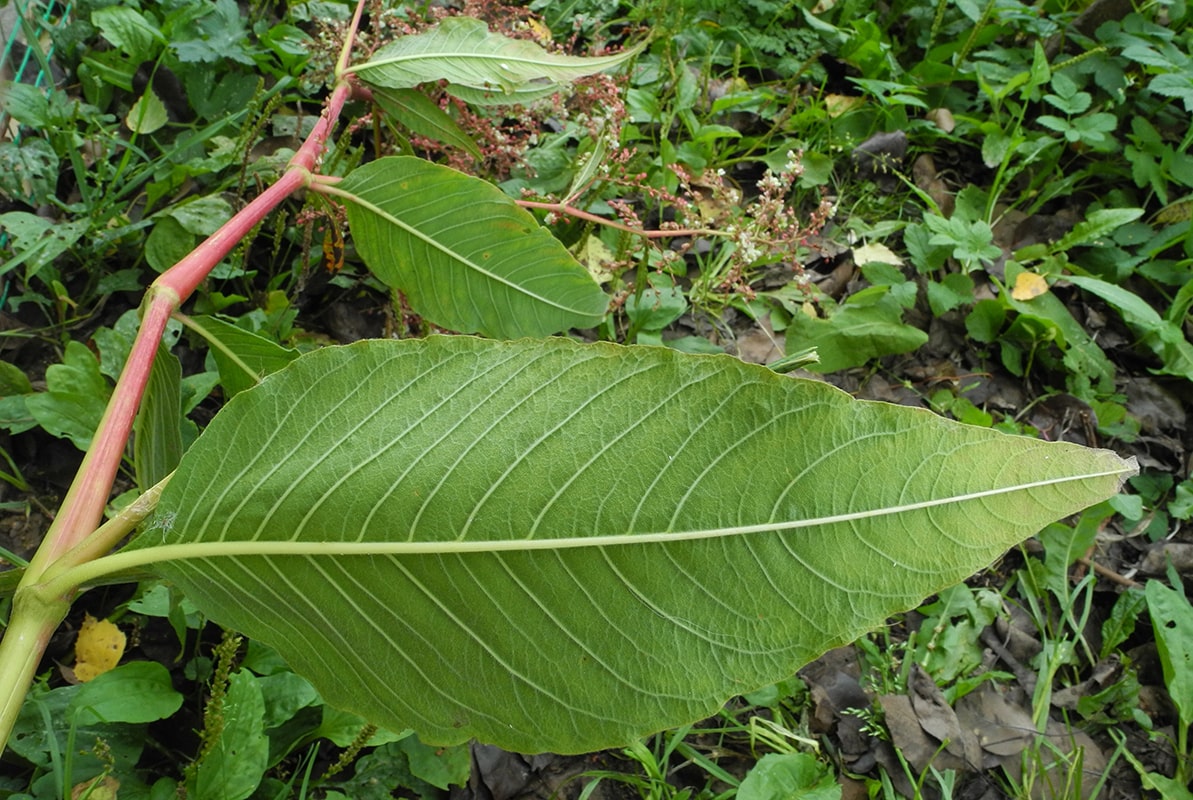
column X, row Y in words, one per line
column 572, row 649
column 463, row 52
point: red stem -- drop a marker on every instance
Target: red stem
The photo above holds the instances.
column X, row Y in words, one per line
column 83, row 507
column 572, row 211
column 188, row 273
column 84, row 504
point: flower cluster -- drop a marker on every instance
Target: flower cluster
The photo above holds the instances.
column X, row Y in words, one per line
column 768, row 230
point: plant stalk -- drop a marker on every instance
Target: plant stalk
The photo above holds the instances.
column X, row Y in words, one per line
column 566, row 209
column 29, row 631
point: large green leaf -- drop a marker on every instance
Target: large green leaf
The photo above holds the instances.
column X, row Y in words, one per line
column 467, row 257
column 462, row 51
column 569, row 546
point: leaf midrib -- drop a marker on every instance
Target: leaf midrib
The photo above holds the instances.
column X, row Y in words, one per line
column 575, row 62
column 450, row 253
column 154, row 554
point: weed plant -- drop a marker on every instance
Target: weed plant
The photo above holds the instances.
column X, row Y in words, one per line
column 717, row 180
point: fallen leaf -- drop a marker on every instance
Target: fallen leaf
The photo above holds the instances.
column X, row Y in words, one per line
column 104, row 788
column 542, row 34
column 876, row 254
column 881, row 154
column 910, row 738
column 98, row 648
column 938, row 719
column 1029, row 285
column 714, row 200
column 1177, row 212
column 597, row 258
column 836, row 105
column 942, row 118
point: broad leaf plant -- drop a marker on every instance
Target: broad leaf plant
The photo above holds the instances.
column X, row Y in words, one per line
column 533, row 542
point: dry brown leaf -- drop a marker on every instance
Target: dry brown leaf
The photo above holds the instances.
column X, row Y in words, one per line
column 942, row 118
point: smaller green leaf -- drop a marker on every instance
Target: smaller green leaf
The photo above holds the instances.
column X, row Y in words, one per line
column 1094, row 127
column 13, row 380
column 1083, row 356
column 656, row 307
column 1071, row 102
column 129, row 30
column 242, row 357
column 1169, row 788
column 925, row 256
column 466, row 256
column 1040, row 72
column 109, row 67
column 285, row 695
column 1097, row 224
column 28, row 171
column 995, row 147
column 39, row 241
column 202, row 216
column 1181, row 505
column 44, row 728
column 854, row 335
column 419, row 113
column 589, row 166
column 953, row 290
column 442, row 767
column 1059, row 124
column 972, row 241
column 1172, row 622
column 76, row 397
column 147, row 115
column 167, row 243
column 1174, row 84
column 341, row 728
column 211, row 32
column 157, row 431
column 140, row 691
column 1165, row 338
column 1119, row 626
column 14, row 415
column 523, row 95
column 116, row 342
column 462, row 51
column 1181, row 304
column 780, row 776
column 27, row 104
column 1134, row 309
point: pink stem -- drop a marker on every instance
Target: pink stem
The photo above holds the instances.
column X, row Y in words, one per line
column 83, row 506
column 82, row 509
column 572, row 211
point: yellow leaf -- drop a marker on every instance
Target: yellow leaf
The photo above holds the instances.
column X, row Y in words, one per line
column 98, row 648
column 1029, row 285
column 1177, row 212
column 875, row 254
column 596, row 256
column 839, row 104
column 541, row 32
column 105, row 788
